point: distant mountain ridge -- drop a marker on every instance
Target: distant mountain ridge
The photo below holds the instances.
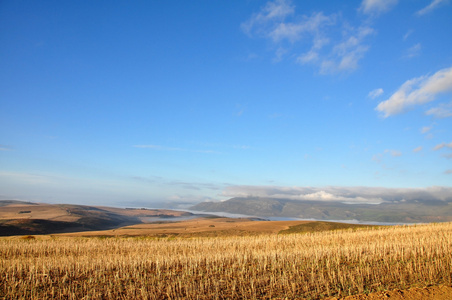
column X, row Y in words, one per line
column 407, row 212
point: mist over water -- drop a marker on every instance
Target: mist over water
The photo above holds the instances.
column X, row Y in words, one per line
column 231, row 215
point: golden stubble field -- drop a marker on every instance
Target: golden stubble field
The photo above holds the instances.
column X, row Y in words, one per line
column 266, row 266
column 199, row 227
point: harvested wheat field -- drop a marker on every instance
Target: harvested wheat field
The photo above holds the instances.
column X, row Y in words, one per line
column 318, row 265
column 441, row 292
column 211, row 227
column 215, row 227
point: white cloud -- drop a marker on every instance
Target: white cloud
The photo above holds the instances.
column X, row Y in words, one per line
column 163, row 148
column 407, row 35
column 377, row 6
column 279, row 54
column 277, row 9
column 272, row 11
column 299, row 193
column 375, row 93
column 435, row 4
column 418, row 149
column 377, row 157
column 289, row 31
column 442, row 111
column 294, row 31
column 320, row 195
column 443, row 145
column 417, row 91
column 326, row 196
column 348, row 52
column 394, row 153
column 313, row 55
column 414, row 51
column 426, row 129
column 332, row 46
column 158, row 147
column 309, row 57
column 371, row 195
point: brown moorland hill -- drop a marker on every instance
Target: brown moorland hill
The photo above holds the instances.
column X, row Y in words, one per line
column 18, row 217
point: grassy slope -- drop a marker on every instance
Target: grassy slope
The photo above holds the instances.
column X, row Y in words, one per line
column 322, row 226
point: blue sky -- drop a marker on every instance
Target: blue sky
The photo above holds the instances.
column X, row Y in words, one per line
column 152, row 102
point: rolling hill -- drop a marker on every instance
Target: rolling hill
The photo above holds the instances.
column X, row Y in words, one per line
column 19, row 218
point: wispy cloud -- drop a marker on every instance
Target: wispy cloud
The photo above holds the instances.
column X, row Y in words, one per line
column 418, row 149
column 188, row 185
column 444, row 110
column 5, row 148
column 414, row 51
column 376, row 7
column 346, row 54
column 375, row 93
column 279, row 54
column 294, row 31
column 432, row 6
column 443, row 145
column 379, row 158
column 163, row 148
column 185, row 201
column 29, row 178
column 417, row 91
column 242, row 147
column 343, row 194
column 272, row 12
column 158, row 147
column 408, row 34
column 426, row 129
column 332, row 44
column 275, row 116
column 240, row 110
column 449, row 171
column 394, row 153
column 195, row 185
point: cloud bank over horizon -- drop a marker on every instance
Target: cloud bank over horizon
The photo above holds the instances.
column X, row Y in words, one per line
column 350, row 195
